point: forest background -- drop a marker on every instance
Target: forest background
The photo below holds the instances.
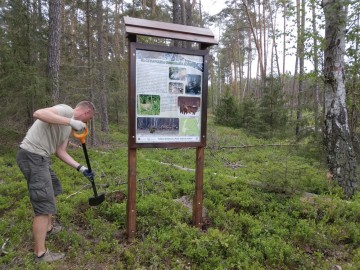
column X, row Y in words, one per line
column 254, row 46
column 66, row 51
column 85, row 57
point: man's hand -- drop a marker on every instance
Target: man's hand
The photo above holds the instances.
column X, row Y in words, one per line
column 85, row 171
column 77, row 124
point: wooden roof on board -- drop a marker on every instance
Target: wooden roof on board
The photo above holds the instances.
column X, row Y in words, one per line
column 134, row 26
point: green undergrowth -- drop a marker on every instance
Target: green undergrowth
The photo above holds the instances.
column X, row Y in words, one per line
column 267, row 205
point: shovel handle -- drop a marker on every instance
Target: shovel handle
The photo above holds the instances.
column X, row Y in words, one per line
column 96, row 200
column 81, row 136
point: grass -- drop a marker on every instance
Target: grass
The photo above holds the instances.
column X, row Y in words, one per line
column 267, row 208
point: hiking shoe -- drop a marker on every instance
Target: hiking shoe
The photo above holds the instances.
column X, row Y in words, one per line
column 54, row 230
column 49, row 257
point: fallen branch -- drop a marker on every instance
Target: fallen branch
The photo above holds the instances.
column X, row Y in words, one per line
column 178, row 167
column 234, row 165
column 259, row 145
column 79, row 191
column 3, row 252
column 106, row 185
column 173, row 165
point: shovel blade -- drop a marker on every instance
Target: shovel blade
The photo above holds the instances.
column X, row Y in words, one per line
column 94, row 201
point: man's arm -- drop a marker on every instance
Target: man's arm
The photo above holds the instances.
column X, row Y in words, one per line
column 62, row 154
column 50, row 115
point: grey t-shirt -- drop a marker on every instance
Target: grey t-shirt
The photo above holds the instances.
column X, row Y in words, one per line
column 43, row 138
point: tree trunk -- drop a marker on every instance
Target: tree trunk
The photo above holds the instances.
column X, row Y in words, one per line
column 153, row 8
column 177, row 18
column 316, row 67
column 101, row 68
column 143, row 6
column 264, row 26
column 257, row 42
column 353, row 87
column 293, row 90
column 249, row 67
column 89, row 34
column 301, row 46
column 284, row 44
column 117, row 29
column 340, row 153
column 274, row 45
column 201, row 15
column 53, row 58
column 183, row 11
column 258, row 26
column 72, row 50
column 188, row 18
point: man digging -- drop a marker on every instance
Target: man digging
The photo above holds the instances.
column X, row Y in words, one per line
column 49, row 135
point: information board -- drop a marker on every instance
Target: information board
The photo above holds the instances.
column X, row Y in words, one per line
column 170, row 94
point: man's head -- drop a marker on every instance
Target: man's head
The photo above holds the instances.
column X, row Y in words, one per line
column 84, row 111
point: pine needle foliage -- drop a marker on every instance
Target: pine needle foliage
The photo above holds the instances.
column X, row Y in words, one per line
column 265, row 117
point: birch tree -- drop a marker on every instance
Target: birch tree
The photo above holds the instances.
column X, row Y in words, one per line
column 340, row 153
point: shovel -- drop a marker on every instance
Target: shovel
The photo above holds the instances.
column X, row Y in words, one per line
column 97, row 199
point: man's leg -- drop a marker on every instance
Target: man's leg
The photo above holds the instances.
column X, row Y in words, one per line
column 40, row 227
column 42, row 198
column 49, row 226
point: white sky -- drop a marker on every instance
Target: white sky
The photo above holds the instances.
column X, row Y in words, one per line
column 213, row 6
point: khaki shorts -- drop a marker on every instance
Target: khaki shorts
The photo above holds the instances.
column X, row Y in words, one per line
column 43, row 185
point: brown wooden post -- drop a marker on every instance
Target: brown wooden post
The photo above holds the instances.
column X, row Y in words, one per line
column 199, row 173
column 198, row 197
column 131, row 201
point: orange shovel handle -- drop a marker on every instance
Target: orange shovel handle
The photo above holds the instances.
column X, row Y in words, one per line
column 81, row 136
